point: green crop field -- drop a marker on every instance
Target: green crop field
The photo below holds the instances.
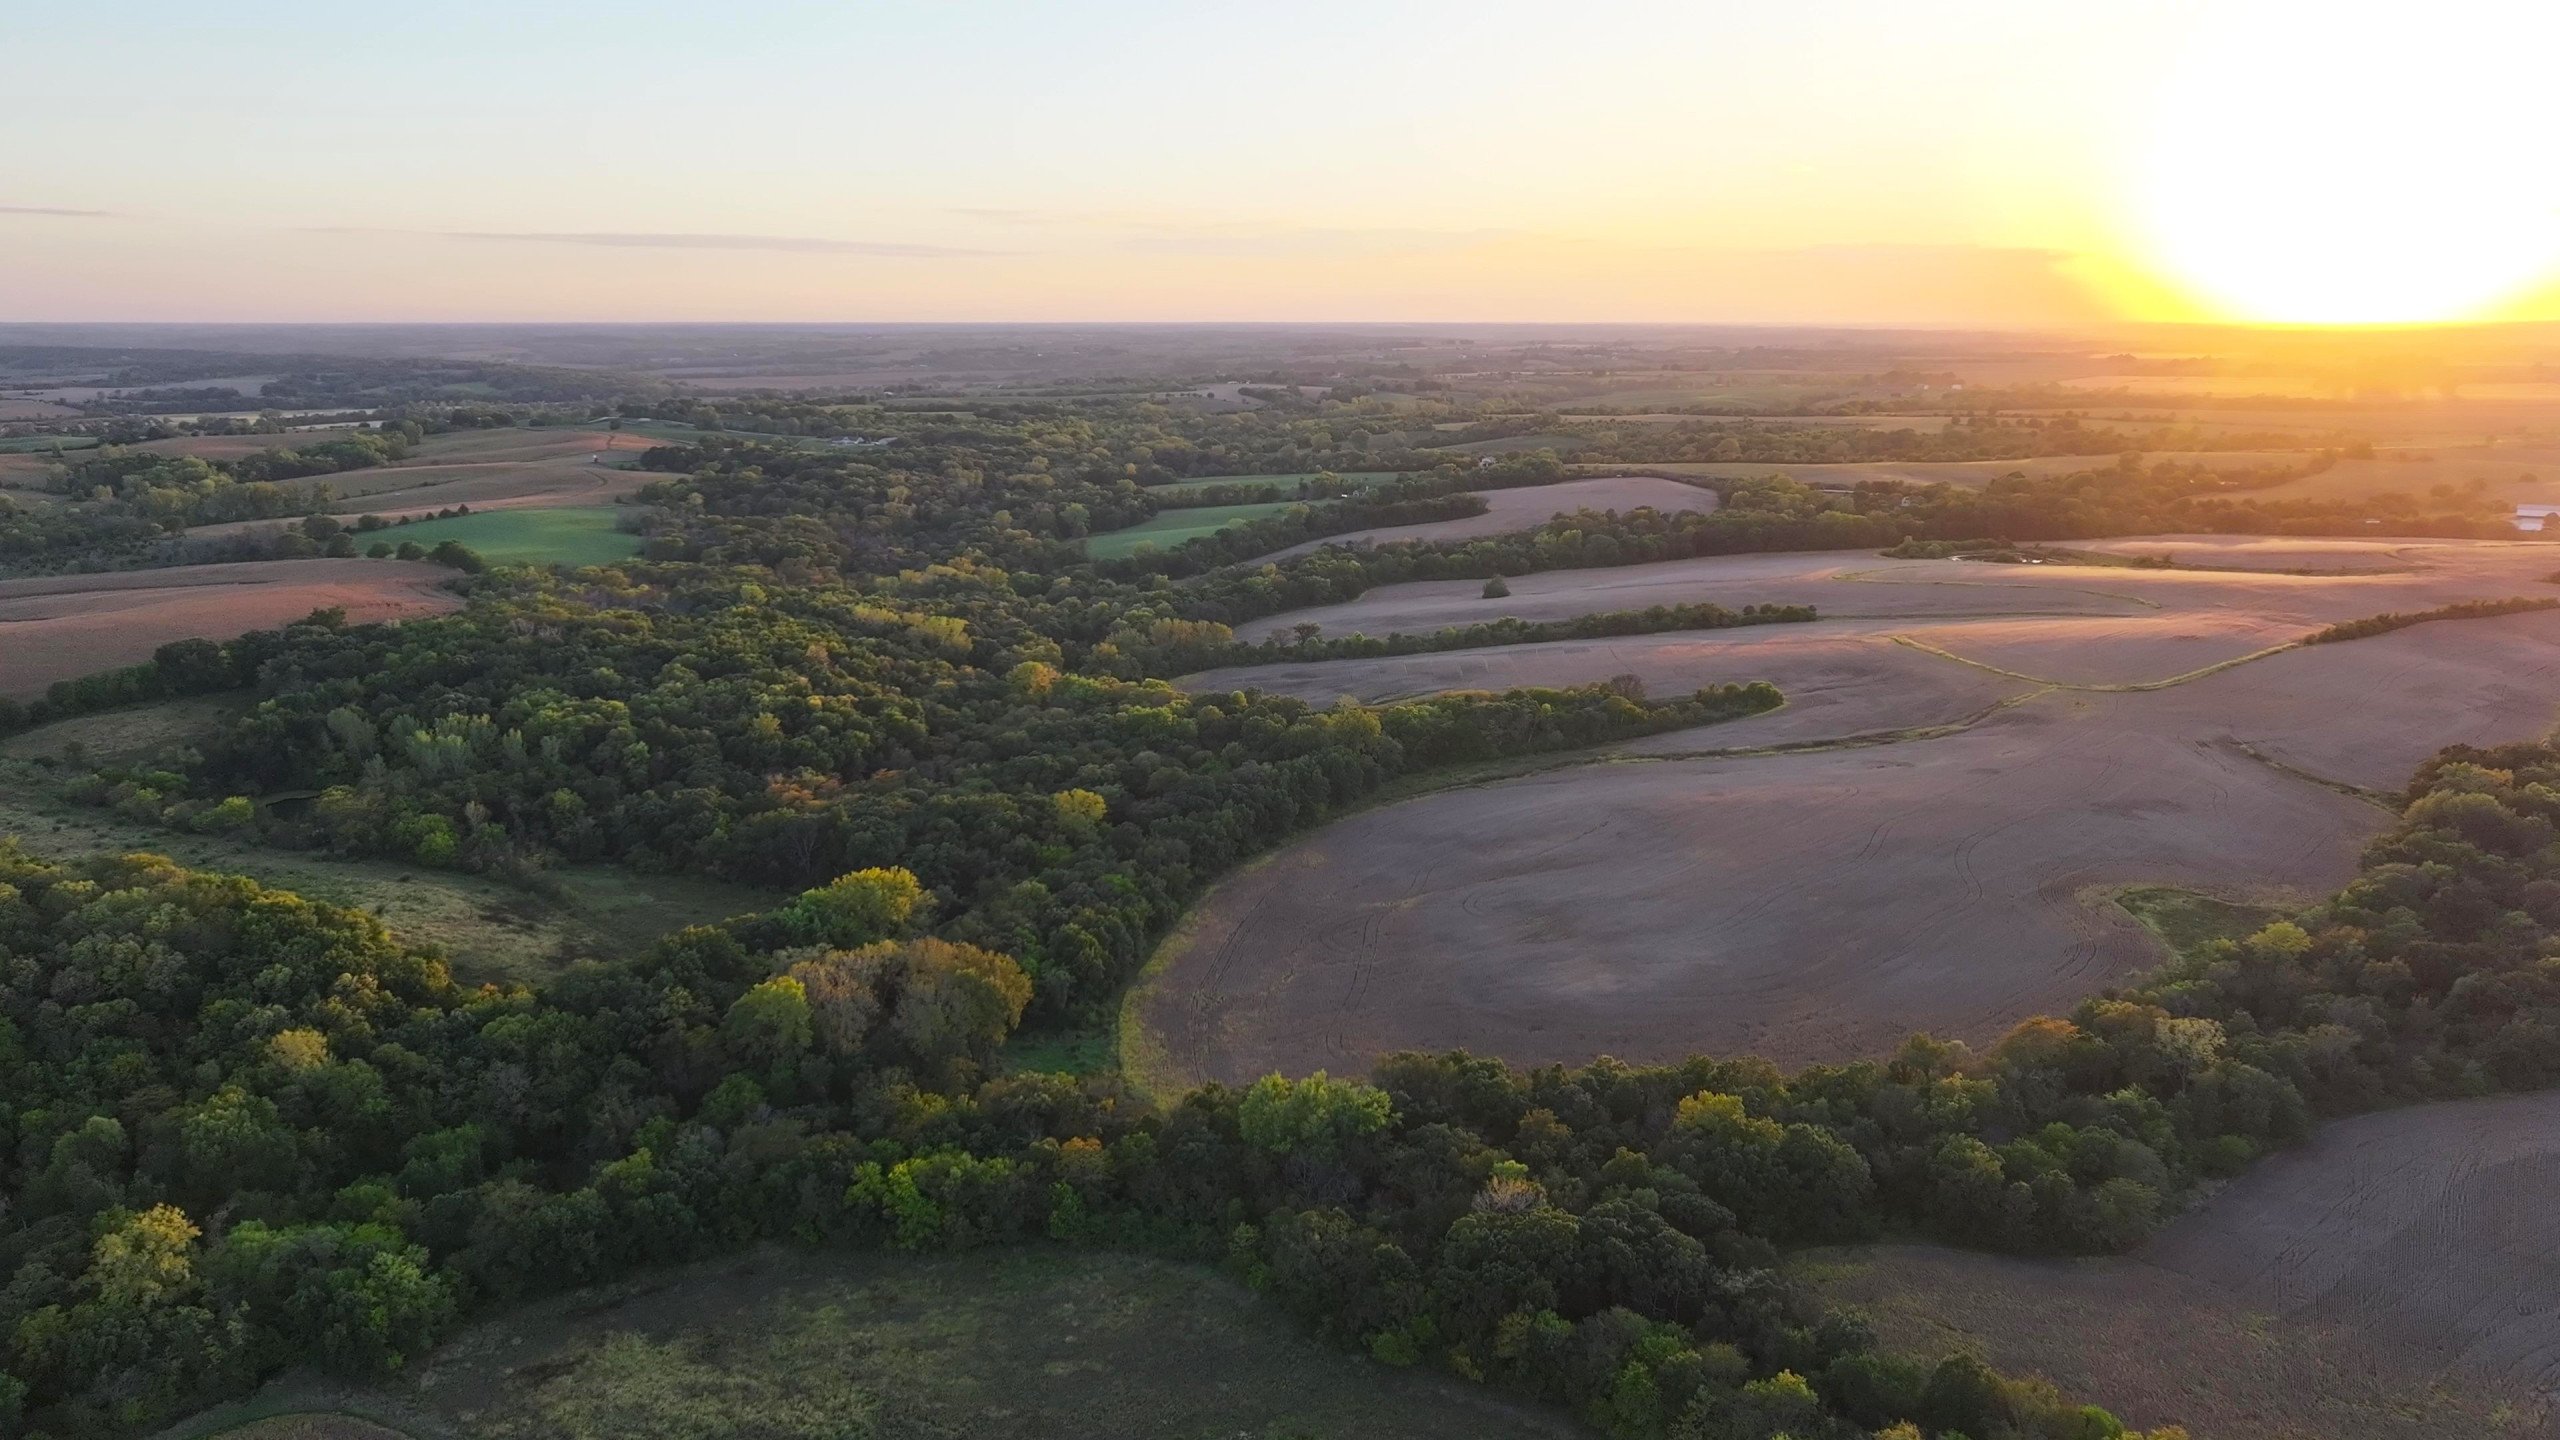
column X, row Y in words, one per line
column 1285, row 483
column 45, row 444
column 676, row 432
column 1175, row 526
column 579, row 535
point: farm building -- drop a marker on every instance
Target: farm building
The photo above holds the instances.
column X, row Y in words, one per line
column 2534, row 517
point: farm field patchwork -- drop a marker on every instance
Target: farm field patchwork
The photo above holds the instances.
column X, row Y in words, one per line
column 1958, row 472
column 2232, row 575
column 1527, row 507
column 584, row 535
column 63, row 627
column 499, row 469
column 2388, row 1280
column 1916, row 841
column 2513, row 474
column 818, row 1346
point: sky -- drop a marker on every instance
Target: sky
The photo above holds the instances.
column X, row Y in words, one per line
column 2001, row 162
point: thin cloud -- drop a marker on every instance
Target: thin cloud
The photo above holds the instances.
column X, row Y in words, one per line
column 663, row 240
column 1300, row 240
column 1898, row 251
column 1177, row 235
column 58, row 210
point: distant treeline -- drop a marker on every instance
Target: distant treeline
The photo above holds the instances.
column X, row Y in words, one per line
column 1305, row 644
column 1758, row 441
column 1776, row 513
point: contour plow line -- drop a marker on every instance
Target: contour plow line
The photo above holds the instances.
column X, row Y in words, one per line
column 2380, row 799
column 1888, row 577
column 2121, row 687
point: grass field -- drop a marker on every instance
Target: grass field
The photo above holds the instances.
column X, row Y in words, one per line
column 1562, row 444
column 675, row 433
column 1285, row 483
column 2185, row 920
column 1017, row 1345
column 310, row 1425
column 583, row 535
column 489, row 930
column 1171, row 528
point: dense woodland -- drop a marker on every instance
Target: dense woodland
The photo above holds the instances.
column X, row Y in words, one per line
column 247, row 1129
column 146, row 380
column 242, row 1128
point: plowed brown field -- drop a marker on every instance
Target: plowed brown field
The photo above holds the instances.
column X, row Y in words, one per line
column 63, row 627
column 1921, row 839
column 2392, row 1280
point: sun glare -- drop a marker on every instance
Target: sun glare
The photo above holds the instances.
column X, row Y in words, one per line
column 2344, row 165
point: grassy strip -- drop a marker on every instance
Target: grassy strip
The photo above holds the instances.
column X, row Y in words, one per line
column 2118, row 687
column 2380, row 799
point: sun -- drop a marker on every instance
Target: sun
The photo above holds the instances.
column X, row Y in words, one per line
column 2356, row 164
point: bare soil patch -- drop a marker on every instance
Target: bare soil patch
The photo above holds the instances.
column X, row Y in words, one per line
column 1809, row 905
column 1840, row 584
column 1916, row 842
column 2391, row 1279
column 63, row 627
column 24, row 471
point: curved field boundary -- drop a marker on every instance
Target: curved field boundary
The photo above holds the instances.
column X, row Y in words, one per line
column 2115, row 687
column 1148, row 1067
column 2395, row 621
column 2380, row 799
column 1887, row 577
